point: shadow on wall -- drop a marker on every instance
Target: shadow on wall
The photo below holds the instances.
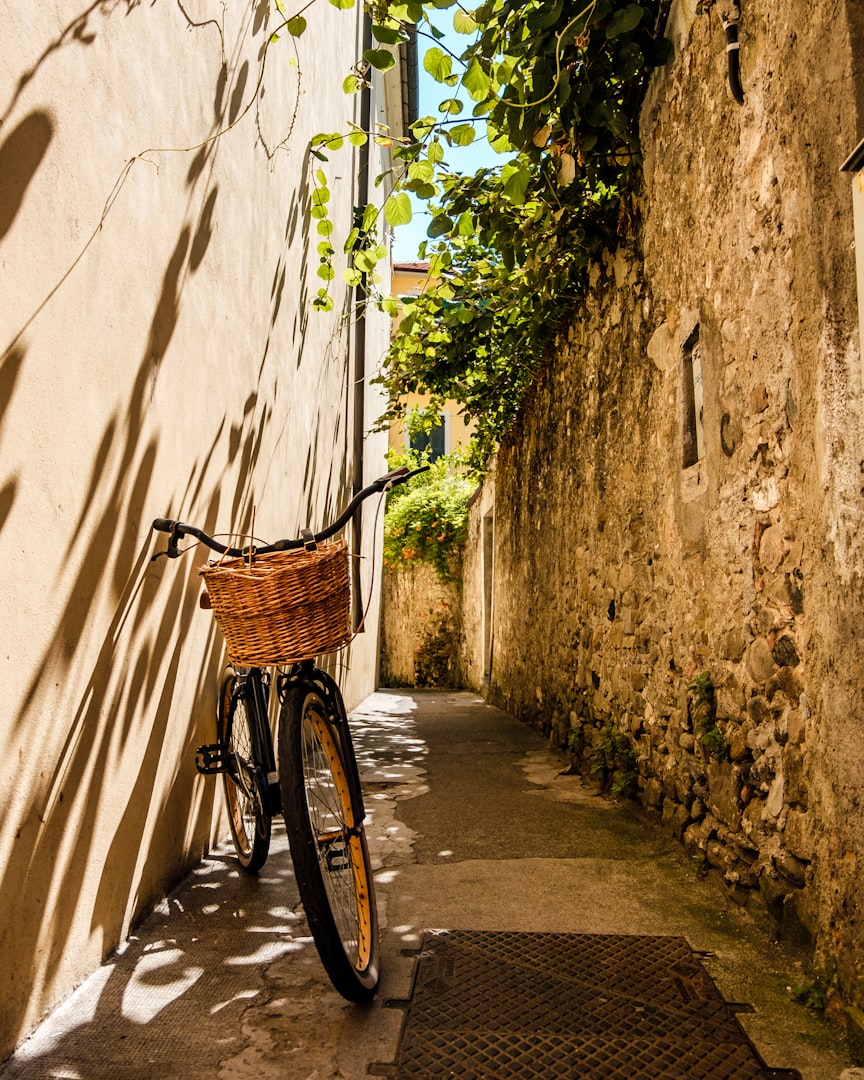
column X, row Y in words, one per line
column 80, row 32
column 20, row 157
column 135, row 673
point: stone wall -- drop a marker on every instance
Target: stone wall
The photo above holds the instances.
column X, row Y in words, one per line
column 637, row 557
column 421, row 628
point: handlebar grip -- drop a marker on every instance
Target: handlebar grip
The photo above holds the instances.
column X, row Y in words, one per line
column 400, row 475
column 163, row 525
column 395, row 476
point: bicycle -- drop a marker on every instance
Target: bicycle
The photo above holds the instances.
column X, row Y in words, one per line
column 316, row 785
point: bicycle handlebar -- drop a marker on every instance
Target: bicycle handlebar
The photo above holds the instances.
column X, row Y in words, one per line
column 178, row 529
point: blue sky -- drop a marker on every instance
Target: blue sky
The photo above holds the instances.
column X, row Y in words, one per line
column 464, row 159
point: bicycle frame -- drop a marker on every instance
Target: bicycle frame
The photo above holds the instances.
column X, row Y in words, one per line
column 254, row 685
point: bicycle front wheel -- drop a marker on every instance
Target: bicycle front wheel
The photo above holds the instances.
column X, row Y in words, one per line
column 328, row 847
column 250, row 825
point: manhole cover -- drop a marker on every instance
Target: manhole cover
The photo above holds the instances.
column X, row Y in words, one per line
column 503, row 1006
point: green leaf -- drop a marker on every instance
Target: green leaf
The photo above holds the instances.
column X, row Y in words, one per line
column 423, row 126
column 514, row 181
column 388, row 35
column 408, row 12
column 421, row 170
column 352, row 84
column 365, row 261
column 296, row 26
column 462, row 134
column 441, row 259
column 326, row 271
column 441, row 225
column 325, row 227
column 624, row 20
column 370, row 217
column 435, row 151
column 452, row 106
column 465, row 225
column 325, row 248
column 397, row 209
column 546, row 15
column 381, row 59
column 438, row 64
column 464, row 22
column 343, row 5
column 323, row 301
column 358, row 138
column 501, row 143
column 476, row 81
column 352, row 277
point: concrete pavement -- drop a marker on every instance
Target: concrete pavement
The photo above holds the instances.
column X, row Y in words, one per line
column 472, row 826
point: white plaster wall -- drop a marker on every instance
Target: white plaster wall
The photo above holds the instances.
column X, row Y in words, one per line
column 158, row 356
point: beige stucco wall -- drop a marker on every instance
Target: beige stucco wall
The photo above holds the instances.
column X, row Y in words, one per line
column 159, row 357
column 620, row 574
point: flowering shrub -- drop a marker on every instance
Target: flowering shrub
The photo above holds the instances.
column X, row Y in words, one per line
column 427, row 519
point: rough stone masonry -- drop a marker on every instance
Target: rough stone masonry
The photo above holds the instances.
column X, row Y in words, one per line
column 678, row 514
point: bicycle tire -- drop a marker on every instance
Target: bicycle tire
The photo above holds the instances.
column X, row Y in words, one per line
column 328, row 848
column 249, row 824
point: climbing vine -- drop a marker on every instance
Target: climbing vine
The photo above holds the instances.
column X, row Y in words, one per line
column 555, row 86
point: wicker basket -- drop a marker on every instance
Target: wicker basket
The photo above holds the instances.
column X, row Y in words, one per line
column 285, row 606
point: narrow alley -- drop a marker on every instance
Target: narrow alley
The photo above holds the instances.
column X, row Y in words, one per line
column 473, row 828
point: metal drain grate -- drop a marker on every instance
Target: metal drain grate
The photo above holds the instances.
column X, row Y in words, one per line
column 507, row 1006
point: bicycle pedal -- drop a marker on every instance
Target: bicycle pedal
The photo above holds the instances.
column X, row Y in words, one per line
column 213, row 758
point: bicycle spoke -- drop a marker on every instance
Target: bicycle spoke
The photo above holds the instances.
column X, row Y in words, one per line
column 328, row 846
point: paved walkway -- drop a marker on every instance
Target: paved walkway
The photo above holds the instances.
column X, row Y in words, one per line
column 473, row 828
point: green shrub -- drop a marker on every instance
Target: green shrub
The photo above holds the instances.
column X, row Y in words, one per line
column 702, row 703
column 614, row 761
column 426, row 520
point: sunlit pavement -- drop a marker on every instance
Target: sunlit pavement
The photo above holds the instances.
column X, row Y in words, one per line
column 472, row 826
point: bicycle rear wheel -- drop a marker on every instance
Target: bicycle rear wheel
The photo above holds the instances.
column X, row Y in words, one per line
column 250, row 825
column 328, row 847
